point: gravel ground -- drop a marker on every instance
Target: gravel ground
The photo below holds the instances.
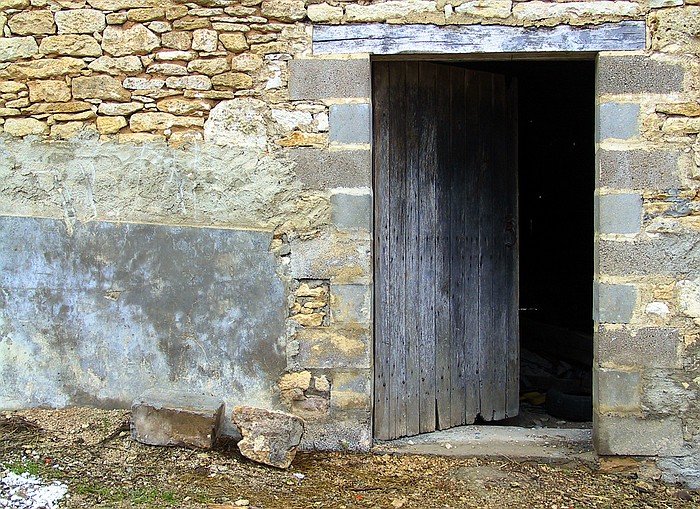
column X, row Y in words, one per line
column 91, row 453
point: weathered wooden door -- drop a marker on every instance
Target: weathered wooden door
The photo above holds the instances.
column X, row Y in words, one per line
column 446, row 322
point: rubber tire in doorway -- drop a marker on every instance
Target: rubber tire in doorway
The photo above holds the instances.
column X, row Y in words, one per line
column 573, row 405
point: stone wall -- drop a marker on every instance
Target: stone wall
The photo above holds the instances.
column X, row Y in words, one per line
column 218, row 114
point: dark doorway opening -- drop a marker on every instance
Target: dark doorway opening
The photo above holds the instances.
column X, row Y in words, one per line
column 556, row 184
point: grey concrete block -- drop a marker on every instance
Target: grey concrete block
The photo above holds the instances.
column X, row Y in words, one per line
column 618, row 391
column 323, row 79
column 351, row 303
column 166, row 417
column 323, row 169
column 626, row 347
column 674, row 254
column 615, row 303
column 639, row 169
column 350, row 123
column 635, row 436
column 619, row 121
column 619, row 213
column 638, row 74
column 351, row 210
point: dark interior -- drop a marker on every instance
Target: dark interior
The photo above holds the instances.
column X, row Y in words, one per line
column 556, row 184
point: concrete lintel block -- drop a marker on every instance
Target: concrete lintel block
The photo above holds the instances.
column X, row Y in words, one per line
column 324, row 169
column 619, row 213
column 636, row 436
column 618, row 391
column 168, row 417
column 327, row 78
column 618, row 121
column 615, row 303
column 351, row 211
column 350, row 123
column 638, row 74
column 627, row 347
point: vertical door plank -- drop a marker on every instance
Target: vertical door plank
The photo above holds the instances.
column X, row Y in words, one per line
column 467, row 227
column 411, row 278
column 444, row 355
column 382, row 312
column 486, row 255
column 427, row 134
column 397, row 262
column 501, row 279
column 512, row 247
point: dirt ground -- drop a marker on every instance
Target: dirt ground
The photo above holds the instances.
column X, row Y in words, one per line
column 91, row 451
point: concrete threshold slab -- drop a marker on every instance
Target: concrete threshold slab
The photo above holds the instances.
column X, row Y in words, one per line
column 511, row 442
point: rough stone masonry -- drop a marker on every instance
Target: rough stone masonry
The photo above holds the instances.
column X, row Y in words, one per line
column 185, row 201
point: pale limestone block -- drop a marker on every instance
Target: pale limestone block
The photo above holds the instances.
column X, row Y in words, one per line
column 110, row 125
column 158, row 121
column 234, row 42
column 80, row 21
column 99, row 87
column 140, row 138
column 292, row 119
column 32, row 23
column 25, row 126
column 388, row 10
column 574, row 12
column 118, row 109
column 13, row 4
column 137, row 40
column 177, row 40
column 486, row 8
column 167, row 69
column 182, row 106
column 238, row 122
column 129, row 65
column 11, row 87
column 192, row 82
column 176, row 55
column 45, row 68
column 49, row 91
column 187, row 137
column 159, row 27
column 68, row 130
column 232, row 80
column 210, row 67
column 70, row 45
column 16, row 48
column 205, row 40
column 284, row 10
column 246, row 62
column 119, row 5
column 143, row 84
column 145, row 14
column 324, row 13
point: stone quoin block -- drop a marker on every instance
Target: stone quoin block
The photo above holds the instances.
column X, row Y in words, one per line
column 635, row 436
column 350, row 123
column 615, row 303
column 323, row 79
column 167, row 417
column 351, row 391
column 675, row 255
column 351, row 211
column 619, row 213
column 639, row 169
column 618, row 391
column 619, row 121
column 638, row 74
column 323, row 169
column 625, row 347
column 331, row 347
column 351, row 303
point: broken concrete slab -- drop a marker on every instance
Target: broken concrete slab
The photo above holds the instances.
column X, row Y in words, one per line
column 168, row 417
column 269, row 437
